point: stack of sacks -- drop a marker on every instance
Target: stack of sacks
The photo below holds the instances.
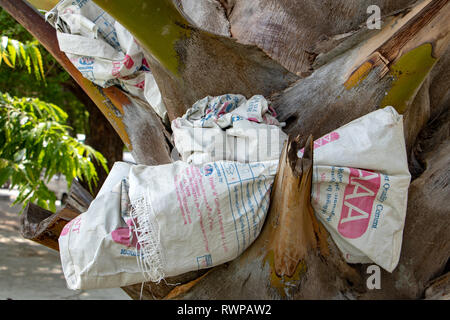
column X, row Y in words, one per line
column 152, row 222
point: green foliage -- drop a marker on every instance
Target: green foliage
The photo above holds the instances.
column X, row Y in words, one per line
column 26, row 54
column 35, row 145
column 23, row 84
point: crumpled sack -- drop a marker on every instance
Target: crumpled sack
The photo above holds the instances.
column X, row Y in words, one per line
column 151, row 222
column 229, row 127
column 103, row 50
column 360, row 187
column 98, row 248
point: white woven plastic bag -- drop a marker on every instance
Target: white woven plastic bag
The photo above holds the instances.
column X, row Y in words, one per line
column 184, row 218
column 103, row 50
column 205, row 215
column 229, row 127
column 98, row 248
column 360, row 187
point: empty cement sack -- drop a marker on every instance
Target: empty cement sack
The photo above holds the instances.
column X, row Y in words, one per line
column 103, row 50
column 151, row 222
column 229, row 127
column 360, row 187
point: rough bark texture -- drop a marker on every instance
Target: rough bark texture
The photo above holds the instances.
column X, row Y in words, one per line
column 147, row 132
column 215, row 65
column 439, row 289
column 207, row 14
column 194, row 63
column 326, row 100
column 104, row 139
column 294, row 32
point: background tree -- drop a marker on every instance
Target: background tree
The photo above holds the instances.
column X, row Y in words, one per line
column 36, row 145
column 60, row 89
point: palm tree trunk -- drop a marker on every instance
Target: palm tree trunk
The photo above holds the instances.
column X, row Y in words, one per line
column 321, row 67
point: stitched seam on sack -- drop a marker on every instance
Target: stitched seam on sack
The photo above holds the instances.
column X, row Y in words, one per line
column 150, row 259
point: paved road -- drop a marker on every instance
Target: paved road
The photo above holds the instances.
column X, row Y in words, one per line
column 32, row 271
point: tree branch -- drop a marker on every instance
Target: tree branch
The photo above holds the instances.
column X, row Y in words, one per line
column 44, row 227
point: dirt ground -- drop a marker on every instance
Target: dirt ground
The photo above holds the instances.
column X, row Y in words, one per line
column 31, row 271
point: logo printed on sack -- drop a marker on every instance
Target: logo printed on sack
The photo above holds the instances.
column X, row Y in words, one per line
column 86, row 66
column 333, row 136
column 86, row 61
column 79, row 3
column 145, row 66
column 140, row 85
column 68, row 11
column 66, row 229
column 204, row 261
column 115, row 72
column 126, row 236
column 359, row 199
column 128, row 62
column 207, row 170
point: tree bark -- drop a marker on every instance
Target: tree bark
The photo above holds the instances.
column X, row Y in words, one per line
column 103, row 138
column 439, row 289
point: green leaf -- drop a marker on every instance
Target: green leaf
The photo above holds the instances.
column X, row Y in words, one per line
column 12, row 54
column 23, row 53
column 35, row 143
column 5, row 174
column 27, row 53
column 40, row 64
column 5, row 58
